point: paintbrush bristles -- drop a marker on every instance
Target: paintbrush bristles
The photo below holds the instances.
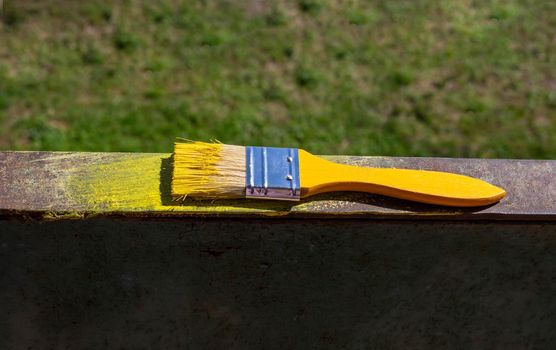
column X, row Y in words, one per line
column 208, row 170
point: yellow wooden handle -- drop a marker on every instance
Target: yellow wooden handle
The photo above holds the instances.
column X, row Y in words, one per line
column 319, row 175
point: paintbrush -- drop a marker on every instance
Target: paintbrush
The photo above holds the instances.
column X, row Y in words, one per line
column 217, row 171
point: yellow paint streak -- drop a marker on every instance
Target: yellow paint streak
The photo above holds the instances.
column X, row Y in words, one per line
column 132, row 182
column 319, row 175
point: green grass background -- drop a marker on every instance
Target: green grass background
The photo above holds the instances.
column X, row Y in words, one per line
column 385, row 77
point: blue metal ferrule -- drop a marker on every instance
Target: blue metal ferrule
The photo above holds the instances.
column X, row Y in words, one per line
column 272, row 173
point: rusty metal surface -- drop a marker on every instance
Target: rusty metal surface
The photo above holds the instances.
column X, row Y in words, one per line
column 277, row 284
column 35, row 183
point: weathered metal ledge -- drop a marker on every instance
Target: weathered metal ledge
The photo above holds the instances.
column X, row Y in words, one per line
column 66, row 185
column 245, row 275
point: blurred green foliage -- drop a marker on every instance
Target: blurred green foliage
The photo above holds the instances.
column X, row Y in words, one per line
column 382, row 77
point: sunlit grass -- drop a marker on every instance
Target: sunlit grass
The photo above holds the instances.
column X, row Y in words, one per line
column 451, row 78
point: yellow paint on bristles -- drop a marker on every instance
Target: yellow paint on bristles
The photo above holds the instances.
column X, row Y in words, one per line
column 215, row 170
column 208, row 170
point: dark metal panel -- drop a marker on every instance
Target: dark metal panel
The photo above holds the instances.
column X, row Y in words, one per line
column 274, row 284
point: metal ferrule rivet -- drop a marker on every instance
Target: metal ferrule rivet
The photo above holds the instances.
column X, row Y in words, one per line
column 272, row 173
